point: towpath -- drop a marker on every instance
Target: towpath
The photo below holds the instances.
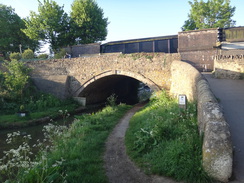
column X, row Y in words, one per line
column 231, row 96
column 119, row 168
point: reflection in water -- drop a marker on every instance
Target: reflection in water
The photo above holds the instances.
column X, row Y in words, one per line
column 36, row 131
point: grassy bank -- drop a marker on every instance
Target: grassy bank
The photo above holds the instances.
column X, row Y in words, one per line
column 52, row 112
column 32, row 118
column 77, row 155
column 164, row 140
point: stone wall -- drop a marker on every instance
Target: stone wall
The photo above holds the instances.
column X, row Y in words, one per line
column 197, row 48
column 217, row 147
column 67, row 77
column 79, row 50
column 183, row 79
column 229, row 64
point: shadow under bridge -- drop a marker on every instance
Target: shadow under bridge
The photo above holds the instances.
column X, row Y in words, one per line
column 127, row 89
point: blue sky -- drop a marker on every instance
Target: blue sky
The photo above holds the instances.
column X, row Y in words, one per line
column 131, row 19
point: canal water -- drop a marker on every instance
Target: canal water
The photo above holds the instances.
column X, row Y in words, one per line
column 36, row 132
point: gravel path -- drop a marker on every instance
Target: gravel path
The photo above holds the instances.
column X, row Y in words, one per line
column 119, row 168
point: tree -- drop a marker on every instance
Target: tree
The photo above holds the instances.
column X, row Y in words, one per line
column 89, row 24
column 50, row 25
column 10, row 31
column 210, row 14
column 14, row 81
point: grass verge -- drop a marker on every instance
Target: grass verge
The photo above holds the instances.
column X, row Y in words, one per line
column 53, row 112
column 164, row 140
column 80, row 150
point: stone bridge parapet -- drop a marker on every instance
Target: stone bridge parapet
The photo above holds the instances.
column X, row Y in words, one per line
column 67, row 77
column 217, row 151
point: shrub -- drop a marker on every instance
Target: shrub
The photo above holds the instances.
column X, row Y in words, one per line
column 15, row 80
column 60, row 54
column 28, row 54
column 43, row 56
column 1, row 58
column 15, row 56
column 111, row 100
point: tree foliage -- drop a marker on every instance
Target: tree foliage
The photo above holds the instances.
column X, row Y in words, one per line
column 10, row 31
column 14, row 81
column 50, row 24
column 28, row 54
column 89, row 24
column 210, row 14
column 15, row 56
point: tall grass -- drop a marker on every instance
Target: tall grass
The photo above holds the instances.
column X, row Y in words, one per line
column 164, row 140
column 38, row 106
column 79, row 151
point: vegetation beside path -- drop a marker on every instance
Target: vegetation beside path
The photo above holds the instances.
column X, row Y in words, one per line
column 77, row 154
column 161, row 139
column 164, row 140
column 18, row 95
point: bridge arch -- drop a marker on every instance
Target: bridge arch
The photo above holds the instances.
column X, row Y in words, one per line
column 108, row 77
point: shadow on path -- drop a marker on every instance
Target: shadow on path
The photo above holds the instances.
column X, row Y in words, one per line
column 230, row 94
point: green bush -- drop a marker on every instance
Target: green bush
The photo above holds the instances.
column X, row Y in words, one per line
column 15, row 81
column 111, row 100
column 60, row 54
column 28, row 54
column 15, row 56
column 43, row 56
column 1, row 58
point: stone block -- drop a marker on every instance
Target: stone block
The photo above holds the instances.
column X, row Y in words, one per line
column 80, row 100
column 204, row 93
column 217, row 150
column 209, row 111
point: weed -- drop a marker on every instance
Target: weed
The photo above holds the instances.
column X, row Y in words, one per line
column 149, row 57
column 122, row 55
column 135, row 56
column 76, row 154
column 111, row 100
column 64, row 114
column 20, row 163
column 164, row 140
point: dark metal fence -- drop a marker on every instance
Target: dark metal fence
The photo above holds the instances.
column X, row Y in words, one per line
column 167, row 44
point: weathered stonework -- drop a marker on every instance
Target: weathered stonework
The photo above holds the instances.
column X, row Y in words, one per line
column 183, row 79
column 73, row 75
column 197, row 48
column 217, row 148
column 229, row 64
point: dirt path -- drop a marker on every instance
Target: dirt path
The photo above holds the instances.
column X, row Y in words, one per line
column 119, row 168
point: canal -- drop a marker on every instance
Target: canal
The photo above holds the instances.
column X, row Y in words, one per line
column 36, row 132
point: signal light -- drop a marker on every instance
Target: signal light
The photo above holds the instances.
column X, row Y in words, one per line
column 220, row 34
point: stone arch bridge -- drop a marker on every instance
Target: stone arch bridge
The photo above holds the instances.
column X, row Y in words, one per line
column 98, row 76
